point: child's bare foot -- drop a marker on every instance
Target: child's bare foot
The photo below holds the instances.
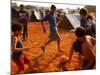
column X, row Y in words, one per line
column 43, row 48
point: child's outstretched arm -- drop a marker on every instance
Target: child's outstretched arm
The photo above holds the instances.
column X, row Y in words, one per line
column 70, row 54
column 17, row 49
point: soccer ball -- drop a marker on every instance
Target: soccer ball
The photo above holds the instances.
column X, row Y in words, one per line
column 64, row 58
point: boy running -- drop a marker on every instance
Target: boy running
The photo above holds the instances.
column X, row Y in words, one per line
column 18, row 55
column 54, row 35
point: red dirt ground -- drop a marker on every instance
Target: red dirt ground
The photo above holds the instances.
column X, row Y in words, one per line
column 48, row 61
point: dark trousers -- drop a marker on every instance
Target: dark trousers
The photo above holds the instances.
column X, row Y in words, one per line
column 25, row 30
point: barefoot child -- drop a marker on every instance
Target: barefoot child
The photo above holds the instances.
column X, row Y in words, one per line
column 83, row 46
column 18, row 55
column 54, row 35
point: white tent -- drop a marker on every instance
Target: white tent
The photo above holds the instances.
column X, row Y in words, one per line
column 37, row 14
column 74, row 20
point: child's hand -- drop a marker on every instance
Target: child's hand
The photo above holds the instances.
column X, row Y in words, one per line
column 27, row 48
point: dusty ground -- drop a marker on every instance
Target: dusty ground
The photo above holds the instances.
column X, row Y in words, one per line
column 48, row 62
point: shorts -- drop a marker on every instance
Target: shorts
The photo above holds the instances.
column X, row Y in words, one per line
column 54, row 36
column 21, row 61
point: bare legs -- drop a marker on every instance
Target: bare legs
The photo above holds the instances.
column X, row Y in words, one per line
column 49, row 41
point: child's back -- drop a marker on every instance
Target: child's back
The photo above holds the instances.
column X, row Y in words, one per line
column 87, row 51
column 87, row 48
